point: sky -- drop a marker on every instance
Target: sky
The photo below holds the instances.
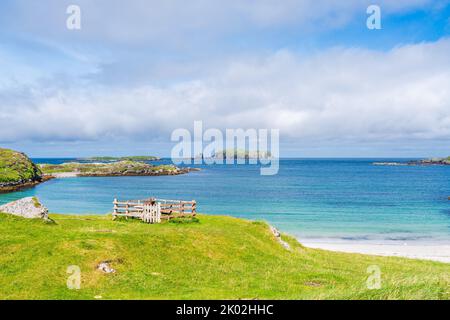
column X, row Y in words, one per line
column 138, row 70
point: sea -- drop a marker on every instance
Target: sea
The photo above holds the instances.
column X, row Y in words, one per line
column 336, row 200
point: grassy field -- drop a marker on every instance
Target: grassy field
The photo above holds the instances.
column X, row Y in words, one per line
column 217, row 258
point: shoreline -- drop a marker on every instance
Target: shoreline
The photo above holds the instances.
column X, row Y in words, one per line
column 26, row 185
column 433, row 252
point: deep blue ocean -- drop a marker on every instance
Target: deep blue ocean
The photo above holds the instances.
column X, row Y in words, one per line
column 339, row 199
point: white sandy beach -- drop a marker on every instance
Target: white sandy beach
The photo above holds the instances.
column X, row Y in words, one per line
column 63, row 175
column 414, row 251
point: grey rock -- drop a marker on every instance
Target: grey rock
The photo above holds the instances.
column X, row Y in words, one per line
column 277, row 235
column 275, row 232
column 29, row 208
column 105, row 267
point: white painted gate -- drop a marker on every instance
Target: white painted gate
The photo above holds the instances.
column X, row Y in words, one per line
column 152, row 213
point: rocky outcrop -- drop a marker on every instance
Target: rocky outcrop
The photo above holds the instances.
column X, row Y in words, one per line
column 29, row 208
column 393, row 164
column 22, row 184
column 425, row 162
column 105, row 267
column 277, row 235
column 433, row 161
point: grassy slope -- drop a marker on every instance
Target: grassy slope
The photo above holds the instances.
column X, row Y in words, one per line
column 220, row 257
column 15, row 166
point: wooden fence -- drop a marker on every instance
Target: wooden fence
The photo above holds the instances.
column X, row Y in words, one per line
column 153, row 210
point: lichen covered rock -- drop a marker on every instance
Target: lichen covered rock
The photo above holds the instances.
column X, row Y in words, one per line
column 29, row 208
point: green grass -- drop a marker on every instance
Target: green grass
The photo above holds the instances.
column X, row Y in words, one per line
column 36, row 202
column 16, row 167
column 215, row 258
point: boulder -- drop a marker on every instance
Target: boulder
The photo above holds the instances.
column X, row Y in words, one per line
column 106, row 267
column 29, row 208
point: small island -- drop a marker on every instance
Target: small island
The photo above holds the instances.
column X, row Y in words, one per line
column 110, row 169
column 114, row 159
column 237, row 154
column 424, row 162
column 432, row 161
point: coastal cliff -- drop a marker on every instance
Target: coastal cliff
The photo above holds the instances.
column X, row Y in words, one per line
column 17, row 171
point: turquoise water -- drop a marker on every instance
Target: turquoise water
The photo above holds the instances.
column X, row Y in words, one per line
column 310, row 199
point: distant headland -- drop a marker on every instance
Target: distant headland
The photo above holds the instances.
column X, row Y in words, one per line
column 424, row 162
column 127, row 158
column 110, row 169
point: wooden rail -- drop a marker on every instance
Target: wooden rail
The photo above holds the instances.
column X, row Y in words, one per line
column 145, row 209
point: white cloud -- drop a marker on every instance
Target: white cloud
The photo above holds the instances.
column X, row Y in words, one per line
column 342, row 94
column 177, row 22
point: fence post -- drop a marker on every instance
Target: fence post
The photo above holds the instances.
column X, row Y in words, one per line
column 158, row 212
column 194, row 207
column 115, row 208
column 127, row 210
column 144, row 212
